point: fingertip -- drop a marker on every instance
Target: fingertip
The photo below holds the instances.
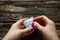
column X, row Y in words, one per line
column 37, row 18
column 35, row 24
column 45, row 17
column 28, row 29
column 31, row 28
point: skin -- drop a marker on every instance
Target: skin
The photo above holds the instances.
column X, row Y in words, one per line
column 17, row 31
column 48, row 30
column 42, row 23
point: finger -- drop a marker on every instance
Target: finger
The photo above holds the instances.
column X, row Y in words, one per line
column 37, row 18
column 25, row 34
column 28, row 30
column 21, row 27
column 38, row 26
column 43, row 20
column 40, row 20
column 46, row 19
column 21, row 21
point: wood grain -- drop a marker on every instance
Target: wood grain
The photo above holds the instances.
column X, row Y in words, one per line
column 11, row 11
column 29, row 0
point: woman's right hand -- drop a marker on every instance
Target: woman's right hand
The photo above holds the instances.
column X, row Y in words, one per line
column 47, row 28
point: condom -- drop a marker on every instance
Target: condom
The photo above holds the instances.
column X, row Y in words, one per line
column 28, row 22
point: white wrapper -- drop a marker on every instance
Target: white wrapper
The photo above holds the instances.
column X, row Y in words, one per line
column 28, row 23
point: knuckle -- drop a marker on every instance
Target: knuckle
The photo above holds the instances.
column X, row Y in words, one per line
column 41, row 29
column 51, row 22
column 43, row 15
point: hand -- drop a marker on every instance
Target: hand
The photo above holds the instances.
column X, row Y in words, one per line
column 17, row 31
column 46, row 27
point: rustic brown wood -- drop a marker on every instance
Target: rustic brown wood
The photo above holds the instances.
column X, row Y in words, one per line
column 29, row 0
column 11, row 11
column 53, row 4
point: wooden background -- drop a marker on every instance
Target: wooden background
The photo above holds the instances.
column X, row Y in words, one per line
column 12, row 10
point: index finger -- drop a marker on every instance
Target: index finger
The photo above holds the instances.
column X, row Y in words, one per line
column 43, row 20
column 21, row 21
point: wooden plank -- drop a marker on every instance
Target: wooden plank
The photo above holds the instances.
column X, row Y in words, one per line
column 19, row 0
column 33, row 4
column 52, row 13
column 12, row 8
column 58, row 31
column 29, row 0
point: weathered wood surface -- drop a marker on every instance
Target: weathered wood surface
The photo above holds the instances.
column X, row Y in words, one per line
column 10, row 12
column 52, row 4
column 29, row 0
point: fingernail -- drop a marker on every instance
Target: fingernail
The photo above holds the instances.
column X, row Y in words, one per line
column 33, row 24
column 31, row 28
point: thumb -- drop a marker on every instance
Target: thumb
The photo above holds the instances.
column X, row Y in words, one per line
column 28, row 30
column 38, row 26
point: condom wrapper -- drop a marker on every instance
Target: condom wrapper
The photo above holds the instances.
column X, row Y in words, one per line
column 28, row 22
